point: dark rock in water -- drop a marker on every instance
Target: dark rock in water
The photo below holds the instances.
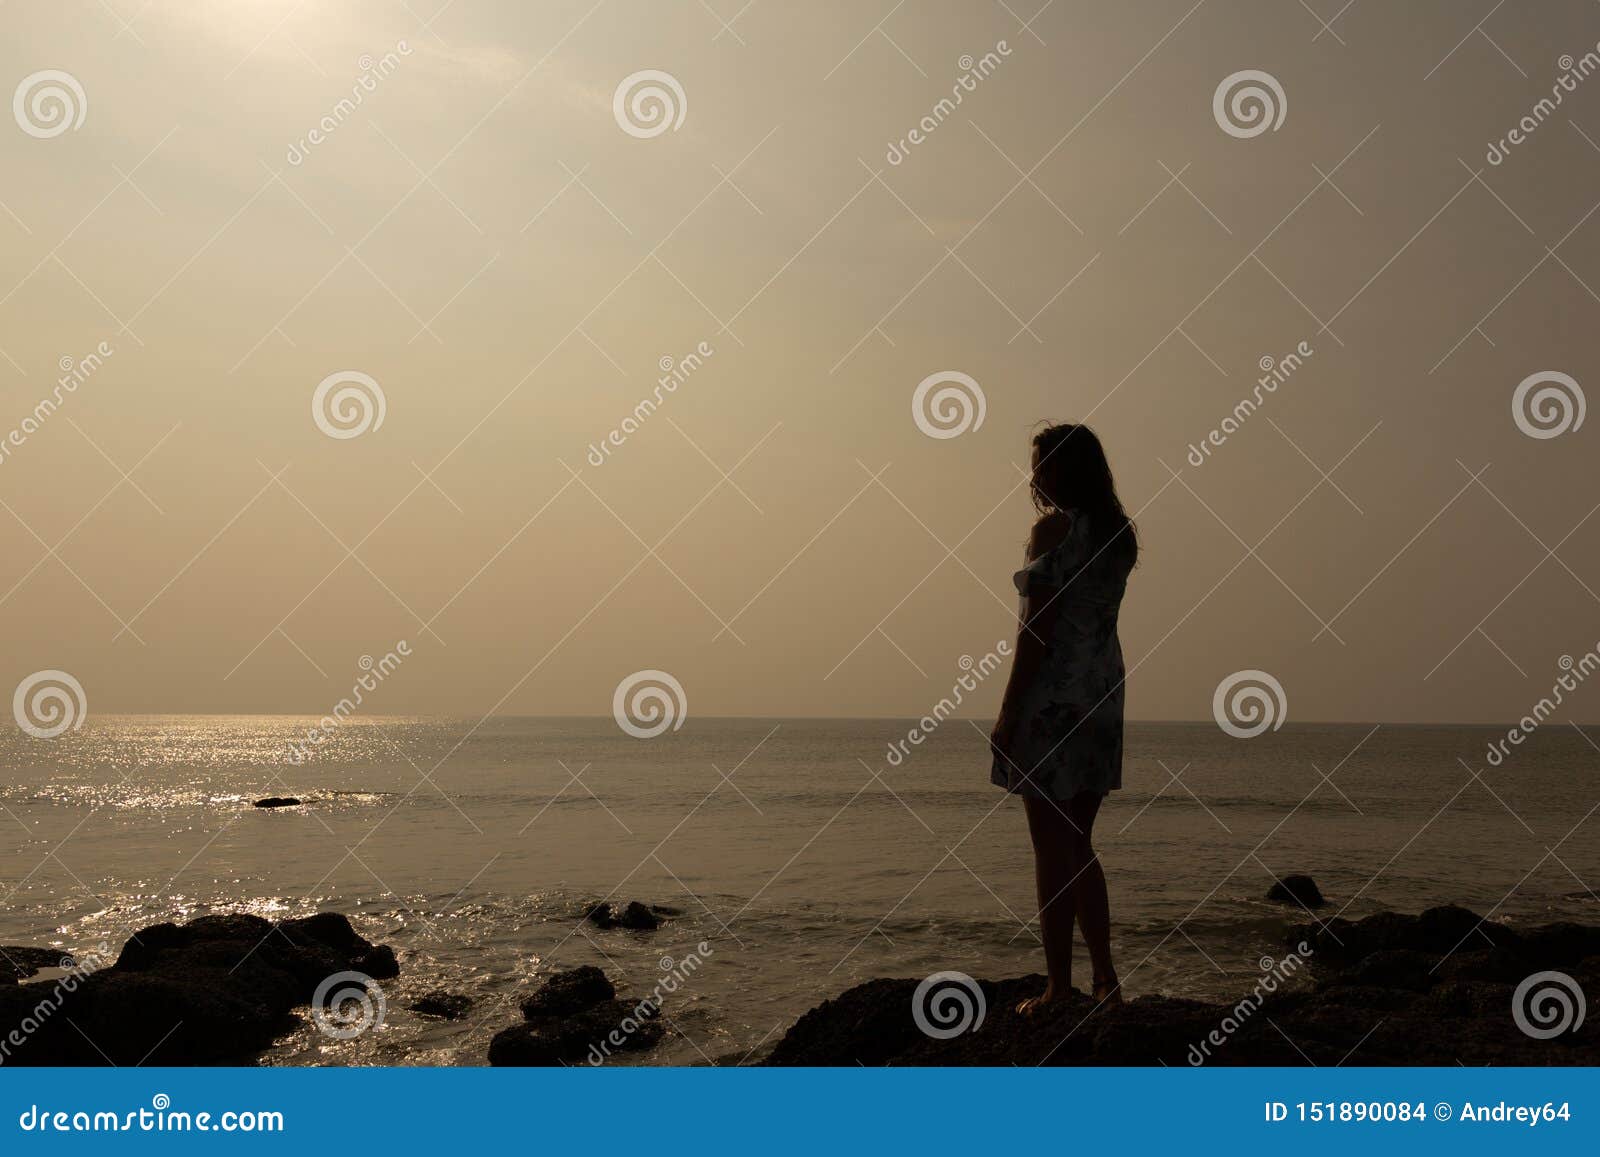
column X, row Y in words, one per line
column 1301, row 891
column 575, row 1017
column 639, row 917
column 1430, row 989
column 20, row 963
column 592, row 1035
column 218, row 989
column 1438, row 930
column 449, row 1005
column 635, row 916
column 278, row 801
column 378, row 962
column 565, row 993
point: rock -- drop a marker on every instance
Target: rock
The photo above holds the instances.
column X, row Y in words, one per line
column 20, row 963
column 634, row 916
column 638, row 917
column 278, row 801
column 1401, row 968
column 565, row 993
column 1429, row 989
column 449, row 1005
column 1502, row 965
column 576, row 1016
column 593, row 1035
column 1301, row 891
column 216, row 990
column 378, row 962
column 1438, row 930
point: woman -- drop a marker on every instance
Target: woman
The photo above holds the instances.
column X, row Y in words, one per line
column 1058, row 742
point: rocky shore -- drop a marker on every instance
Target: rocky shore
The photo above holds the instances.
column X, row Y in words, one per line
column 216, row 990
column 1439, row 988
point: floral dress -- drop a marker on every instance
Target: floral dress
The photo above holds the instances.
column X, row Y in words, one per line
column 1067, row 738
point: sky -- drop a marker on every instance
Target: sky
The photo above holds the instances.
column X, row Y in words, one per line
column 508, row 254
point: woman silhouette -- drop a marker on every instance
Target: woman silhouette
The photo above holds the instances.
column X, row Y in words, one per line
column 1058, row 741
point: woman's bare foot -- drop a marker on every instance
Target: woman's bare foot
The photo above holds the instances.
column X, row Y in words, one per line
column 1033, row 1004
column 1108, row 991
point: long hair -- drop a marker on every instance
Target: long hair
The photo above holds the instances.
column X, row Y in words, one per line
column 1072, row 474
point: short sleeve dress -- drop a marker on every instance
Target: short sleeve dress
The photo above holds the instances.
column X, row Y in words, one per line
column 1068, row 733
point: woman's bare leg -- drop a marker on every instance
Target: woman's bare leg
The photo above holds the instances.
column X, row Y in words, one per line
column 1052, row 851
column 1089, row 900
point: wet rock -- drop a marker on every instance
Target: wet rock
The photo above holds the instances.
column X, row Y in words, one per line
column 278, row 801
column 1301, row 891
column 1442, row 930
column 634, row 916
column 20, row 963
column 576, row 1017
column 591, row 1036
column 448, row 1005
column 565, row 993
column 218, row 989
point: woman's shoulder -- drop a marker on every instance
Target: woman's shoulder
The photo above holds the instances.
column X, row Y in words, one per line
column 1049, row 532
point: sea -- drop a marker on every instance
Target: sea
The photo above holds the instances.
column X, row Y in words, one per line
column 799, row 856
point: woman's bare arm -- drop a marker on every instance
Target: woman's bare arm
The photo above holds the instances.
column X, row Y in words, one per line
column 1034, row 631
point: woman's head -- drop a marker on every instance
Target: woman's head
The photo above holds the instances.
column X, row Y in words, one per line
column 1070, row 472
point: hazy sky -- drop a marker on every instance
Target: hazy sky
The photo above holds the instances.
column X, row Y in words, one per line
column 484, row 240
